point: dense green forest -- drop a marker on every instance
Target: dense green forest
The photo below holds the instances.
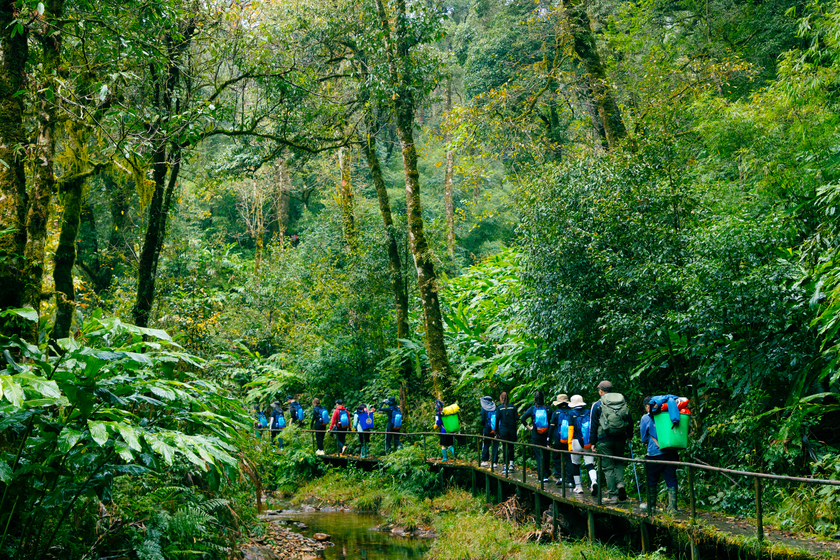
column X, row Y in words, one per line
column 210, row 205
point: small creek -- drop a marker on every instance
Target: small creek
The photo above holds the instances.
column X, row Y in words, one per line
column 353, row 537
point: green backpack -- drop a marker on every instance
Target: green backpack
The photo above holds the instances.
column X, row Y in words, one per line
column 615, row 416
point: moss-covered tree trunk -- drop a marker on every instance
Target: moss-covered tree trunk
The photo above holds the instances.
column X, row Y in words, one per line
column 65, row 259
column 448, row 188
column 344, row 197
column 403, row 81
column 394, row 262
column 13, row 55
column 602, row 95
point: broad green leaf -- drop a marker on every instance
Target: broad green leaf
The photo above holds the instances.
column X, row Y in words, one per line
column 5, row 472
column 25, row 313
column 161, row 447
column 98, row 431
column 11, row 390
column 68, row 438
column 129, row 434
column 46, row 387
column 124, row 451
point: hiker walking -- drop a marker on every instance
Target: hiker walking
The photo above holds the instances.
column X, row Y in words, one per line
column 540, row 416
column 579, row 440
column 611, row 428
column 559, row 430
column 260, row 421
column 339, row 424
column 447, row 422
column 362, row 422
column 393, row 425
column 296, row 412
column 489, row 422
column 319, row 423
column 278, row 422
column 507, row 418
column 655, row 469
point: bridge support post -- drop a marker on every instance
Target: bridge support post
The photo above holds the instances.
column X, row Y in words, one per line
column 590, row 523
column 759, row 511
column 691, row 496
column 537, row 510
column 554, row 520
column 692, row 545
column 472, row 472
column 645, row 538
column 487, row 487
column 500, row 495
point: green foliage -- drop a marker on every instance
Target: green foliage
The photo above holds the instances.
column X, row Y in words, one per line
column 112, row 404
column 407, row 468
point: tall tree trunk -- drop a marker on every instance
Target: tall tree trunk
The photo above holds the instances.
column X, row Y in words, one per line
column 399, row 62
column 281, row 198
column 13, row 55
column 587, row 51
column 345, row 197
column 448, row 194
column 120, row 192
column 65, row 259
column 155, row 233
column 394, row 263
column 43, row 177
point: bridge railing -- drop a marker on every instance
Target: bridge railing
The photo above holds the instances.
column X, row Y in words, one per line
column 758, row 478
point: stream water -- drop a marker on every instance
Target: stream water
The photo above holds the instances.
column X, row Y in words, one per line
column 353, row 538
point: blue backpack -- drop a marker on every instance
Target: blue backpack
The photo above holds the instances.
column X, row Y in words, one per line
column 261, row 420
column 491, row 417
column 279, row 421
column 396, row 420
column 325, row 416
column 583, row 426
column 299, row 413
column 541, row 419
column 343, row 418
column 366, row 420
column 563, row 429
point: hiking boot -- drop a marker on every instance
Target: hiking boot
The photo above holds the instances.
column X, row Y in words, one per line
column 593, row 490
column 622, row 494
column 613, row 501
column 343, row 451
column 578, row 490
column 319, row 452
column 672, row 501
column 485, row 464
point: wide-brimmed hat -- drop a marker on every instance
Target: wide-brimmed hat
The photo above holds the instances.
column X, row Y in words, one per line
column 576, row 401
column 561, row 399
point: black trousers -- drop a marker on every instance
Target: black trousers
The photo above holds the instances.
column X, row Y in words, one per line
column 486, row 443
column 319, row 439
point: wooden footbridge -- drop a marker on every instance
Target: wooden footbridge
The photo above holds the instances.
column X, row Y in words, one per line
column 692, row 532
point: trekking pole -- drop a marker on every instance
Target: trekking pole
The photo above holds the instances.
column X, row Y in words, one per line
column 638, row 489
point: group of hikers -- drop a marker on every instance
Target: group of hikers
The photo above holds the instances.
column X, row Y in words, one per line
column 568, row 424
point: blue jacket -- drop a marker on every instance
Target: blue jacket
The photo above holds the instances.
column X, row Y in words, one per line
column 673, row 412
column 648, row 432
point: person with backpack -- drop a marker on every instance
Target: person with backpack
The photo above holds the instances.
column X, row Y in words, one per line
column 489, row 422
column 319, row 423
column 278, row 422
column 611, row 428
column 447, row 437
column 580, row 427
column 654, row 469
column 295, row 411
column 340, row 424
column 363, row 423
column 540, row 416
column 507, row 420
column 559, row 430
column 393, row 424
column 260, row 421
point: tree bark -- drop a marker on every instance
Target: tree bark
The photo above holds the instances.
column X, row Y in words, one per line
column 65, row 259
column 155, row 234
column 602, row 96
column 345, row 197
column 13, row 55
column 394, row 263
column 448, row 194
column 282, row 198
column 399, row 62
